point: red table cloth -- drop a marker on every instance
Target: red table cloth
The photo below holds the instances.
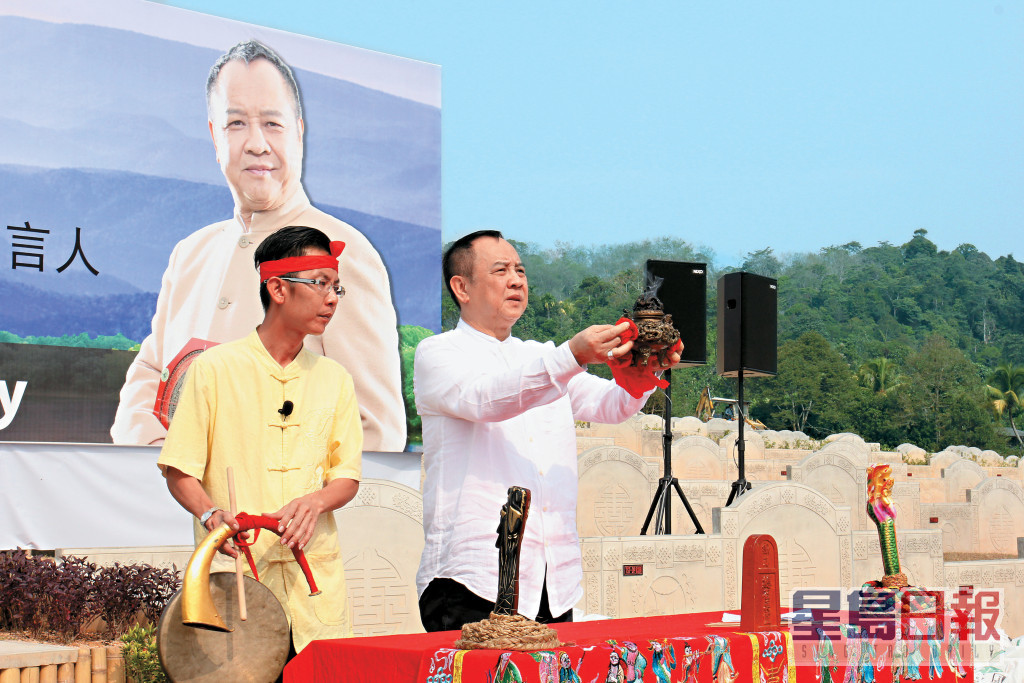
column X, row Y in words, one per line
column 687, row 648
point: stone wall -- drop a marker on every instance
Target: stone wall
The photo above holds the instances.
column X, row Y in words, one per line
column 1006, row 575
column 817, row 516
column 679, row 574
column 811, row 501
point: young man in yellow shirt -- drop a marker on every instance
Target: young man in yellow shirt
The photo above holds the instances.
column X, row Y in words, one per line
column 287, row 421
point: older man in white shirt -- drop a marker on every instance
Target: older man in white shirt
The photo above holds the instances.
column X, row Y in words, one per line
column 498, row 411
column 207, row 291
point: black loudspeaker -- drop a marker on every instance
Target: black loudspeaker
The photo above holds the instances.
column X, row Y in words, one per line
column 747, row 325
column 684, row 293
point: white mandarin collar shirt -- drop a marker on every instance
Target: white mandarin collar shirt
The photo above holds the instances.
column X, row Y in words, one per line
column 498, row 414
column 210, row 291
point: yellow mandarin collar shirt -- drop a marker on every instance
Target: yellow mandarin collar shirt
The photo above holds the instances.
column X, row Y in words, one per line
column 228, row 417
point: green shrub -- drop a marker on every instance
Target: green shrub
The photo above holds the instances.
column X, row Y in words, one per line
column 141, row 662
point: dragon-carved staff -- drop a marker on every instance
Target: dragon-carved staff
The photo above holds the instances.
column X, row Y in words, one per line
column 510, row 541
column 881, row 511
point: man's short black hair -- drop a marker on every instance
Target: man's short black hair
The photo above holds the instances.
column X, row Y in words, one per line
column 249, row 51
column 458, row 259
column 295, row 240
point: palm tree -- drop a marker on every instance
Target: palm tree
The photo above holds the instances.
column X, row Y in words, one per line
column 879, row 375
column 1005, row 388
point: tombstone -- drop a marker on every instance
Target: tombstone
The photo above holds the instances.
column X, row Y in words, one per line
column 626, row 434
column 944, row 459
column 912, row 452
column 958, row 522
column 697, row 457
column 646, row 421
column 991, row 458
column 846, row 436
column 718, row 427
column 906, row 498
column 689, row 425
column 615, row 490
column 753, row 442
column 635, row 576
column 959, row 477
column 1000, row 514
column 760, row 606
column 380, row 568
column 951, row 538
column 837, row 471
column 813, row 536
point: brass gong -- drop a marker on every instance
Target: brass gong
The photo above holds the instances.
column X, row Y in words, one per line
column 254, row 650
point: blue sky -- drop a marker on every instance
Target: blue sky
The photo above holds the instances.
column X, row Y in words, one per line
column 734, row 125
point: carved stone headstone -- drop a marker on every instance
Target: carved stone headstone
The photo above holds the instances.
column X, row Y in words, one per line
column 380, row 569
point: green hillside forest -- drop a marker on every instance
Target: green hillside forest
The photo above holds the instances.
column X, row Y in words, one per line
column 897, row 343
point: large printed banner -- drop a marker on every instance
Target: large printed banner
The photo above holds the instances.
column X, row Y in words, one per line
column 86, row 496
column 108, row 162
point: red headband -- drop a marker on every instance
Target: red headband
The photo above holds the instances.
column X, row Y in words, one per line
column 294, row 264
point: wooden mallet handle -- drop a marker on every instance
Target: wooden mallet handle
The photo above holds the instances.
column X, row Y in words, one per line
column 239, row 564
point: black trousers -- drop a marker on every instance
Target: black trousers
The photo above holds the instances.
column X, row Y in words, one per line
column 446, row 605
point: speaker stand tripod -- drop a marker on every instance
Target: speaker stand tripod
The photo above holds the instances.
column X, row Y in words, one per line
column 662, row 503
column 741, row 484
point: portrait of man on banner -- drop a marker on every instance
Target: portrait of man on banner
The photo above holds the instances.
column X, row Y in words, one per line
column 256, row 124
column 145, row 175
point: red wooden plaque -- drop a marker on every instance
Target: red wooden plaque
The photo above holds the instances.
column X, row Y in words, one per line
column 760, row 605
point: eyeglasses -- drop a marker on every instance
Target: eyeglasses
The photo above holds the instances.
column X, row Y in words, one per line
column 321, row 285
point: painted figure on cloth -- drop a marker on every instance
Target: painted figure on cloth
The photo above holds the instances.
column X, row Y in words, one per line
column 825, row 656
column 506, row 670
column 914, row 656
column 864, row 661
column 867, row 664
column 899, row 659
column 953, row 658
column 934, row 652
column 691, row 663
column 853, row 645
column 616, row 672
column 722, row 669
column 547, row 666
column 566, row 674
column 663, row 662
column 635, row 662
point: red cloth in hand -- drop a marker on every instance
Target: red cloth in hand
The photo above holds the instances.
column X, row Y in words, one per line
column 636, row 381
column 630, row 334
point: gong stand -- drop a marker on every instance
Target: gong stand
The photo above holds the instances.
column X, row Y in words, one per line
column 662, row 503
column 741, row 484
